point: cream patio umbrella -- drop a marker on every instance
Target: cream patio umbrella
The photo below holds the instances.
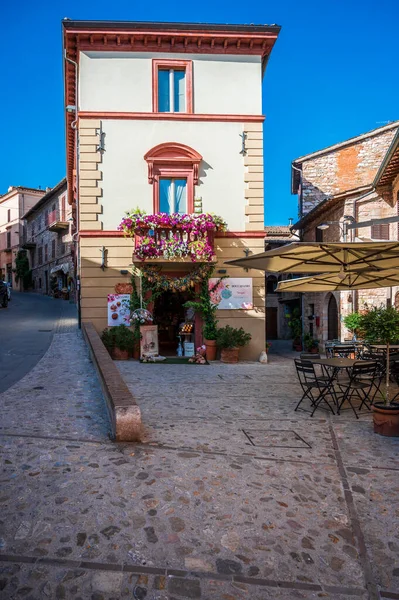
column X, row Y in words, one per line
column 319, row 257
column 334, row 282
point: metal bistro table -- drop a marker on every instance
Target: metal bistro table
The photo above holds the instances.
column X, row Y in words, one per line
column 337, row 364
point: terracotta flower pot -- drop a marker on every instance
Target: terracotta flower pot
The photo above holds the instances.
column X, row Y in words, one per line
column 229, row 355
column 386, row 419
column 119, row 354
column 210, row 349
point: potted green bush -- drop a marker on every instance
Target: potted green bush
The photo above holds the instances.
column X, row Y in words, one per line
column 311, row 345
column 295, row 324
column 119, row 341
column 230, row 340
column 381, row 325
column 352, row 323
column 203, row 305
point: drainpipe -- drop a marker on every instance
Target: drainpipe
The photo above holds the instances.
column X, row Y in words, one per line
column 75, row 236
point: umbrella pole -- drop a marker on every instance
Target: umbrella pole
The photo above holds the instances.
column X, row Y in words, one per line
column 303, row 321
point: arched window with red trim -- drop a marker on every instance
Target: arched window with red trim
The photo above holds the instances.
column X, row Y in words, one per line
column 173, row 171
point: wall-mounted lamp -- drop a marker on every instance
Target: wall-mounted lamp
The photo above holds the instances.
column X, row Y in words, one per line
column 70, row 108
column 124, row 272
column 243, row 137
column 104, row 252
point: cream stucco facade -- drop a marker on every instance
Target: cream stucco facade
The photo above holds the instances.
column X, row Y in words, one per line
column 117, row 127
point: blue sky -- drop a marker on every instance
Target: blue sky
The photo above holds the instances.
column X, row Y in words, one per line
column 333, row 74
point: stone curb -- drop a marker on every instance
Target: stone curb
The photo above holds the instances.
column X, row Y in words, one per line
column 124, row 413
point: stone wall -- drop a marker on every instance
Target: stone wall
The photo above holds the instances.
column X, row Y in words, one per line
column 347, row 167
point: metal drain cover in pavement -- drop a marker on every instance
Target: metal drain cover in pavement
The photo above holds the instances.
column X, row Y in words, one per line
column 276, row 438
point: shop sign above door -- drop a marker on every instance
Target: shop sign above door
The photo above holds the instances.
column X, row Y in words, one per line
column 232, row 293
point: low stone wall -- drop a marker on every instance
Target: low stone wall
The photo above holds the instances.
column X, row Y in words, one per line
column 124, row 413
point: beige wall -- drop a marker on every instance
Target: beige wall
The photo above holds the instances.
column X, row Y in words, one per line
column 97, row 284
column 123, row 82
column 116, row 180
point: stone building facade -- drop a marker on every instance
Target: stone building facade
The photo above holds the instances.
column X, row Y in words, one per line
column 334, row 183
column 13, row 205
column 48, row 241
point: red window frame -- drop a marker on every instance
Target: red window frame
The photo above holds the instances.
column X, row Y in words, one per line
column 179, row 65
column 172, row 160
column 166, row 172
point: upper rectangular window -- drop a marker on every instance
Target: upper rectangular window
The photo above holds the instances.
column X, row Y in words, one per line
column 9, row 215
column 172, row 86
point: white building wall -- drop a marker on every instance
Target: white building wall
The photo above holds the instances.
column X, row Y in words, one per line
column 122, row 82
column 125, row 172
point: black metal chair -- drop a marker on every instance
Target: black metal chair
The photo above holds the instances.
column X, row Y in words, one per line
column 308, row 356
column 360, row 385
column 344, row 351
column 314, row 387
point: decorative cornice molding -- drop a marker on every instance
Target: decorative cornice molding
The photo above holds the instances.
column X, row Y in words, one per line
column 163, row 116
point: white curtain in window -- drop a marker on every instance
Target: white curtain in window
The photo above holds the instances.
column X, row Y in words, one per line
column 166, row 200
column 163, row 91
column 180, row 195
column 179, row 91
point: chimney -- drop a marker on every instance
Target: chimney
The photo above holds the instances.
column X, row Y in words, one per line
column 290, row 221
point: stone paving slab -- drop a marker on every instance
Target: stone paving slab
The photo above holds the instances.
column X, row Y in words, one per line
column 200, row 509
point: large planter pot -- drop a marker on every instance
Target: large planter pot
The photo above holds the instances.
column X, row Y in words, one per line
column 210, row 349
column 386, row 419
column 229, row 355
column 119, row 354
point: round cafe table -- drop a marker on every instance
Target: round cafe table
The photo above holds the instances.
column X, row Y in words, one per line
column 338, row 363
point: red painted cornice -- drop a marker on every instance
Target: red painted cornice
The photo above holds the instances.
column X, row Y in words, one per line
column 119, row 234
column 163, row 116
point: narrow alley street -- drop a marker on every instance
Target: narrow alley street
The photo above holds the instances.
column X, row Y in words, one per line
column 230, row 496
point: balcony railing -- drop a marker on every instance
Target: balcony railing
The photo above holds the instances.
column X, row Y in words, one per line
column 173, row 244
column 28, row 241
column 57, row 221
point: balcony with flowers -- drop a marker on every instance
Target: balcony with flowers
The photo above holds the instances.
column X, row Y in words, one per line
column 173, row 237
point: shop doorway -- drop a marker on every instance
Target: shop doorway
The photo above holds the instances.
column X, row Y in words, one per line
column 176, row 324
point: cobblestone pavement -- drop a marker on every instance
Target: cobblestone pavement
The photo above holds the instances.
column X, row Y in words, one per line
column 230, row 496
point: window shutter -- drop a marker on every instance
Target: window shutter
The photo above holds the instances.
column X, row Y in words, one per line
column 380, row 232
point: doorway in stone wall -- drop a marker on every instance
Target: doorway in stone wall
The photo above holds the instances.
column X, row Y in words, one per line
column 332, row 318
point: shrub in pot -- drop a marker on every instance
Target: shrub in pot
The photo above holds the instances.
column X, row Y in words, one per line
column 295, row 324
column 119, row 341
column 204, row 306
column 311, row 345
column 230, row 340
column 352, row 323
column 209, row 332
column 381, row 325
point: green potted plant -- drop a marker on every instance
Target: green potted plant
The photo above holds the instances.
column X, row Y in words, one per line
column 311, row 345
column 381, row 325
column 352, row 323
column 295, row 324
column 230, row 340
column 207, row 310
column 119, row 341
column 108, row 339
